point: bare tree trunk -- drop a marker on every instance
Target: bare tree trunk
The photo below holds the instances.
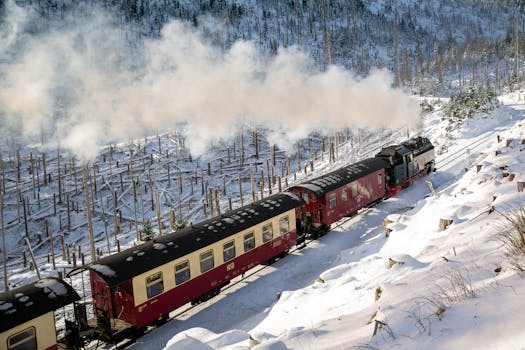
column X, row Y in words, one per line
column 2, row 227
column 115, row 213
column 157, row 207
column 327, row 35
column 217, row 203
column 88, row 213
column 240, row 187
column 49, row 231
column 45, row 169
column 269, row 177
column 59, row 176
column 33, row 258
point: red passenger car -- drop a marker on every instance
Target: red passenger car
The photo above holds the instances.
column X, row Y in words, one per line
column 143, row 284
column 340, row 193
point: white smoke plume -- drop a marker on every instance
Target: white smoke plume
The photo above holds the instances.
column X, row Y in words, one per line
column 82, row 83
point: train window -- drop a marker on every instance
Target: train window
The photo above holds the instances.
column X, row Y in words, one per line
column 154, row 285
column 249, row 241
column 182, row 272
column 207, row 262
column 267, row 232
column 229, row 251
column 344, row 195
column 333, row 200
column 355, row 190
column 24, row 340
column 284, row 225
column 380, row 178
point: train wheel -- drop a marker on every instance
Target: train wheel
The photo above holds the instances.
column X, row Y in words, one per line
column 161, row 320
column 139, row 332
column 283, row 254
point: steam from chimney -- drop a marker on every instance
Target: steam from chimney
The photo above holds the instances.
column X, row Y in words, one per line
column 82, row 82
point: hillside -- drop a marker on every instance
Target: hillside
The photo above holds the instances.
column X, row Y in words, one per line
column 423, row 287
column 427, row 44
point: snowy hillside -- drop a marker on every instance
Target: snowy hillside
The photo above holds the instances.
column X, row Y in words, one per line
column 420, row 286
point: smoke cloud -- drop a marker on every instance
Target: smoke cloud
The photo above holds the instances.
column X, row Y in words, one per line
column 84, row 84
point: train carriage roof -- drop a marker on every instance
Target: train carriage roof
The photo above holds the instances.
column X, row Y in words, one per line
column 132, row 262
column 320, row 186
column 23, row 304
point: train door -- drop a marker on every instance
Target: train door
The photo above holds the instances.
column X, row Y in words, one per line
column 102, row 305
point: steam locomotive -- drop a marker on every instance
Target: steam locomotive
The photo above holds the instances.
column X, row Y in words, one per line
column 138, row 287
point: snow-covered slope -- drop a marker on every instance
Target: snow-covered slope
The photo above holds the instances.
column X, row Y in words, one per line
column 418, row 288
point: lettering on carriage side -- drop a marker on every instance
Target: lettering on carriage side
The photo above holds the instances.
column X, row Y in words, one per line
column 230, row 266
column 277, row 243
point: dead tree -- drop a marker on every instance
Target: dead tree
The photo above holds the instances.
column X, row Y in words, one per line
column 33, row 258
column 240, row 187
column 88, row 213
column 49, row 232
column 2, row 227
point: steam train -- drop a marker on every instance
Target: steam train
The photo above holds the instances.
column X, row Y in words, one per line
column 140, row 286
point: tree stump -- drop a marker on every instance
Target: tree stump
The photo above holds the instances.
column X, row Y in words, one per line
column 444, row 224
column 386, row 222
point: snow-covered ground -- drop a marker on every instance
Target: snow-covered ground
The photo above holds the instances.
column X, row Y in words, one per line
column 450, row 289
